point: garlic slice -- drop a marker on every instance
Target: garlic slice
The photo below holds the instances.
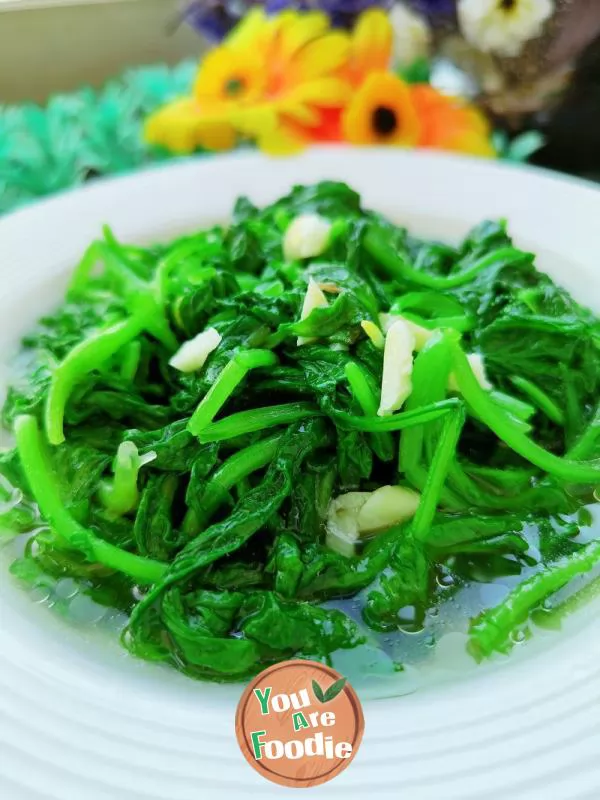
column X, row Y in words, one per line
column 396, row 383
column 387, row 506
column 374, row 333
column 314, row 298
column 193, row 353
column 422, row 335
column 478, row 366
column 306, row 236
column 342, row 522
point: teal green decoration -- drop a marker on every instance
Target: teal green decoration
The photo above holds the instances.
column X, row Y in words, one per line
column 85, row 134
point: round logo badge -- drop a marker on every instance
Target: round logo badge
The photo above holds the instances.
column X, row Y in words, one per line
column 299, row 723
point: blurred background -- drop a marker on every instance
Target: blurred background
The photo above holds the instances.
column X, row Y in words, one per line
column 79, row 78
column 49, row 46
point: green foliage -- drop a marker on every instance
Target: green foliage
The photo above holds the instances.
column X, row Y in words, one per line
column 196, row 502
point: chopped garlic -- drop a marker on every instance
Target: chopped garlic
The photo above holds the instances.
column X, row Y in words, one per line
column 478, row 367
column 352, row 514
column 314, row 298
column 306, row 236
column 193, row 353
column 374, row 334
column 342, row 522
column 422, row 335
column 387, row 320
column 396, row 384
column 387, row 506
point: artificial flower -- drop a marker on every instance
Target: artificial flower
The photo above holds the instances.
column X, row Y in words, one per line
column 269, row 71
column 370, row 50
column 503, row 27
column 447, row 123
column 371, row 44
column 382, row 112
column 412, row 37
column 175, row 127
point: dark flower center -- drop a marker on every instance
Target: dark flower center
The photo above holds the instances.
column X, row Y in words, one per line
column 507, row 5
column 385, row 121
column 235, row 87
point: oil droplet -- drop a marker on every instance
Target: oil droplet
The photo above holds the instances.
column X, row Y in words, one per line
column 66, row 588
column 83, row 610
column 518, row 636
column 444, row 580
column 138, row 593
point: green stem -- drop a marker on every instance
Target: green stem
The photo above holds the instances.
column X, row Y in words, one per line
column 365, row 397
column 395, row 422
column 587, row 443
column 228, row 475
column 131, row 360
column 120, row 495
column 38, row 471
column 491, row 631
column 83, row 270
column 85, row 357
column 232, row 374
column 438, row 472
column 378, row 246
column 431, row 369
column 515, row 407
column 506, row 429
column 539, row 397
column 257, row 419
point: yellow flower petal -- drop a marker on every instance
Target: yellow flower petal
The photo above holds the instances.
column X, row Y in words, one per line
column 299, row 112
column 320, row 57
column 245, row 32
column 256, row 120
column 300, row 29
column 229, row 75
column 281, row 141
column 182, row 127
column 323, row 92
column 371, row 43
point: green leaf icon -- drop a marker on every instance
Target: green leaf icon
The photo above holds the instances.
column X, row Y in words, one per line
column 318, row 692
column 334, row 689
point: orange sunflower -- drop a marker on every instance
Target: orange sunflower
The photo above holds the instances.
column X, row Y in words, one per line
column 369, row 50
column 448, row 123
column 382, row 112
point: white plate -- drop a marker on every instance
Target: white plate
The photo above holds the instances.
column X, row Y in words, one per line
column 81, row 719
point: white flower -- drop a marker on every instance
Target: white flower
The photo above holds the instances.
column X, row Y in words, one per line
column 503, row 26
column 412, row 37
column 306, row 236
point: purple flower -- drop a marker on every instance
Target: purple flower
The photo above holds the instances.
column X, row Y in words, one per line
column 215, row 19
column 434, row 8
column 343, row 13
